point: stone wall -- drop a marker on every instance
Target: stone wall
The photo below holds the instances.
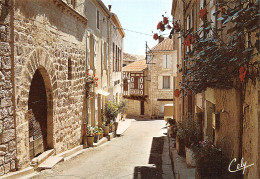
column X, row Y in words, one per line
column 155, row 91
column 46, row 38
column 7, row 122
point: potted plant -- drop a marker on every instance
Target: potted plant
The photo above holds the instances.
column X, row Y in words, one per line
column 105, row 129
column 90, row 135
column 110, row 113
column 192, row 135
column 210, row 162
column 101, row 132
column 96, row 134
column 122, row 108
column 180, row 146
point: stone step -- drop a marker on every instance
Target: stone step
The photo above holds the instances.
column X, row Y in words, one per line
column 50, row 162
column 70, row 152
column 41, row 158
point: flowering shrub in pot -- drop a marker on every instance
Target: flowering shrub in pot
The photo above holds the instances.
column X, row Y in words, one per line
column 210, row 162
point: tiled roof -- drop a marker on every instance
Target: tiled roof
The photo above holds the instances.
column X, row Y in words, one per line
column 131, row 57
column 137, row 66
column 165, row 45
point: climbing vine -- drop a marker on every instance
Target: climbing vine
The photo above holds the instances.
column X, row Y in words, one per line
column 222, row 56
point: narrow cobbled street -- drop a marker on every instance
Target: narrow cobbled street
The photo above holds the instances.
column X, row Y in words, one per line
column 136, row 154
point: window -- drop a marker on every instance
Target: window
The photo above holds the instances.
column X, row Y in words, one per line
column 97, row 19
column 69, row 69
column 125, row 82
column 136, row 82
column 113, row 57
column 166, row 61
column 166, row 82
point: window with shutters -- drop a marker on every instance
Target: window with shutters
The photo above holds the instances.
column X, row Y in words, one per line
column 166, row 82
column 166, row 61
column 113, row 57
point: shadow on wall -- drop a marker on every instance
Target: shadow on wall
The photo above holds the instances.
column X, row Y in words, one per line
column 58, row 18
column 152, row 172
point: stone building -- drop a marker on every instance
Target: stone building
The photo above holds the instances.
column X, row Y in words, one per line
column 237, row 132
column 47, row 47
column 135, row 88
column 161, row 68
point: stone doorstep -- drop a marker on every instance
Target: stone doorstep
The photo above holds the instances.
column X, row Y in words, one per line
column 50, row 162
column 41, row 158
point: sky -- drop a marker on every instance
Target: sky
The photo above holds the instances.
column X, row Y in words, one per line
column 140, row 16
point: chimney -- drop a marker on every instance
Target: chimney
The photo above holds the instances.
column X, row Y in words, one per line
column 109, row 8
column 161, row 38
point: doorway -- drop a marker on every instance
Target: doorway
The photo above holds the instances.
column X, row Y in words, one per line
column 142, row 107
column 37, row 104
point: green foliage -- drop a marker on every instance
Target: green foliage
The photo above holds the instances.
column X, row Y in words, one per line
column 122, row 107
column 189, row 130
column 110, row 112
column 210, row 160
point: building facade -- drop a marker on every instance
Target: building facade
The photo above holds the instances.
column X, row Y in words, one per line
column 237, row 132
column 47, row 47
column 161, row 68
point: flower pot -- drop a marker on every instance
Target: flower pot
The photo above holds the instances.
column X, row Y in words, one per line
column 96, row 138
column 100, row 136
column 190, row 157
column 85, row 142
column 106, row 130
column 116, row 126
column 113, row 128
column 90, row 140
column 180, row 146
column 124, row 116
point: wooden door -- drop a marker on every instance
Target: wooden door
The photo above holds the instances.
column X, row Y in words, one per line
column 142, row 107
column 37, row 104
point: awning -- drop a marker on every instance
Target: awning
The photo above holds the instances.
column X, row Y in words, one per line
column 102, row 92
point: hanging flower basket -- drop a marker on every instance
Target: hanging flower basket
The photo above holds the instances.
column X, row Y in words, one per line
column 91, row 82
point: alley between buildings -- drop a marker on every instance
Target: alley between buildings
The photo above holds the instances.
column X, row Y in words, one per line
column 138, row 153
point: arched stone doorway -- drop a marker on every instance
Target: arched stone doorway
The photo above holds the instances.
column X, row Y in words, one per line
column 40, row 106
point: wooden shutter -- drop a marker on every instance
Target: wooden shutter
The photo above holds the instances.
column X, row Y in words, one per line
column 171, row 82
column 160, row 82
column 164, row 61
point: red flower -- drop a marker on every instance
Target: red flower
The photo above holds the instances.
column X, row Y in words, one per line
column 155, row 36
column 177, row 93
column 159, row 25
column 96, row 85
column 169, row 27
column 201, row 155
column 242, row 74
column 94, row 75
column 198, row 51
column 202, row 13
column 165, row 20
column 190, row 92
column 188, row 40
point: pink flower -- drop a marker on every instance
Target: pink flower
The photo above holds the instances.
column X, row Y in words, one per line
column 201, row 155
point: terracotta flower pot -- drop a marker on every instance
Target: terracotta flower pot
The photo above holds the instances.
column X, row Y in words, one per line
column 100, row 136
column 90, row 140
column 106, row 130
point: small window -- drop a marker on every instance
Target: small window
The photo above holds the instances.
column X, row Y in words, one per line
column 69, row 69
column 166, row 82
column 97, row 19
column 166, row 61
column 136, row 82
